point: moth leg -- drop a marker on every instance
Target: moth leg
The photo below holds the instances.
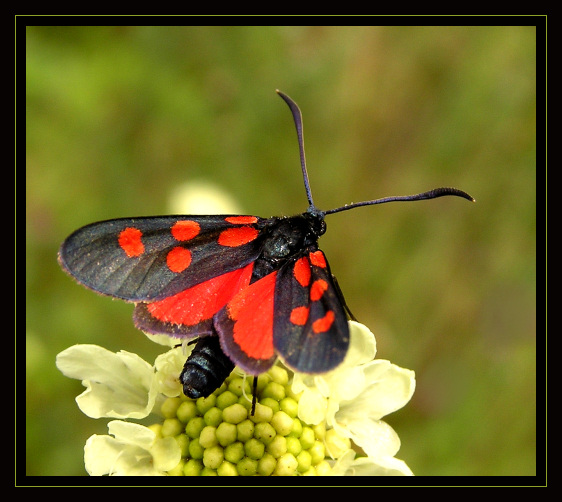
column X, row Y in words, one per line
column 254, row 395
column 339, row 293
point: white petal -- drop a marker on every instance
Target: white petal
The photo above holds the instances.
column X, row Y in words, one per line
column 343, row 464
column 168, row 369
column 345, row 384
column 390, row 466
column 301, row 381
column 101, row 454
column 312, row 407
column 131, row 433
column 166, row 340
column 364, row 466
column 347, row 380
column 362, row 347
column 118, row 385
column 375, row 437
column 165, row 454
column 336, row 444
column 387, row 389
column 134, row 451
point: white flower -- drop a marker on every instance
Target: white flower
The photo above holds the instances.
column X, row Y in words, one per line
column 337, row 409
column 134, row 450
column 352, row 400
column 202, row 197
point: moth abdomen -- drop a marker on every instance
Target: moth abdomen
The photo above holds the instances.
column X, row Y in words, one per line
column 206, row 368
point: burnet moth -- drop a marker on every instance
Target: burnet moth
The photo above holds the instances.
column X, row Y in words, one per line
column 250, row 289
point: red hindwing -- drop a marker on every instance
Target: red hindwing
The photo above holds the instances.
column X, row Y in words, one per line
column 294, row 312
column 245, row 326
column 190, row 312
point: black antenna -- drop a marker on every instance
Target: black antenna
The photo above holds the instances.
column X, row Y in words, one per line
column 297, row 117
column 430, row 194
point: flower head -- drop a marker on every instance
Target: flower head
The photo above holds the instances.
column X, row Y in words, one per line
column 302, row 424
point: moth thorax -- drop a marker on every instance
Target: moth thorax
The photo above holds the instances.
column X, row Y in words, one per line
column 289, row 236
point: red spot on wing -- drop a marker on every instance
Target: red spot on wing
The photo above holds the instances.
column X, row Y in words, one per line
column 252, row 313
column 202, row 301
column 243, row 220
column 299, row 315
column 178, row 259
column 317, row 289
column 130, row 242
column 318, row 259
column 185, row 230
column 301, row 271
column 234, row 237
column 324, row 323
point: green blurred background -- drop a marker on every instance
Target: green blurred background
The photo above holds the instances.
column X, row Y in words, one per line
column 117, row 117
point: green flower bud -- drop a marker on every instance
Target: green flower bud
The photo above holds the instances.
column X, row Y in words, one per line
column 319, row 431
column 192, row 467
column 323, row 468
column 205, row 403
column 245, row 430
column 226, row 433
column 239, row 386
column 289, row 406
column 234, row 413
column 282, row 423
column 279, row 375
column 208, row 471
column 317, row 452
column 293, row 445
column 266, row 464
column 227, row 469
column 286, row 465
column 262, row 413
column 195, row 449
column 213, row 416
column 296, row 429
column 270, row 403
column 171, row 427
column 213, row 457
column 170, row 407
column 307, row 438
column 183, row 443
column 194, row 427
column 186, row 411
column 178, row 469
column 274, row 390
column 304, row 460
column 225, row 399
column 247, row 467
column 234, row 452
column 264, row 432
column 254, row 449
column 278, row 446
column 208, row 437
